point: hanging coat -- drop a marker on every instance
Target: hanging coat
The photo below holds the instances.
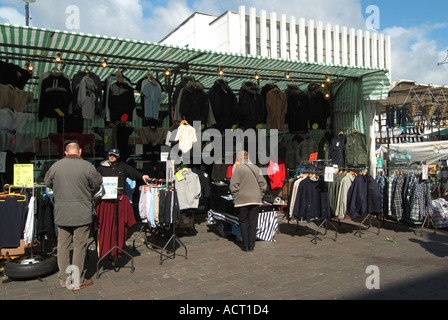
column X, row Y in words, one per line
column 276, row 108
column 252, row 109
column 298, row 113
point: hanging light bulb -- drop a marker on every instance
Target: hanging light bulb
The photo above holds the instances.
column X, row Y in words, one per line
column 327, row 96
column 30, row 67
column 256, row 76
column 287, row 76
column 58, row 58
column 220, row 72
column 167, row 73
column 104, row 64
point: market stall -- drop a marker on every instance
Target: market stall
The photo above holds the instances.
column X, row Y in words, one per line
column 130, row 94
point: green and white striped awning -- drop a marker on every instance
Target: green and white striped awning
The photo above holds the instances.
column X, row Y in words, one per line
column 21, row 44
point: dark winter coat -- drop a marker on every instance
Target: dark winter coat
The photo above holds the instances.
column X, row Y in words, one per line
column 319, row 107
column 298, row 113
column 312, row 200
column 224, row 105
column 252, row 109
column 194, row 103
column 337, row 149
column 276, row 108
column 55, row 93
column 121, row 101
column 359, row 193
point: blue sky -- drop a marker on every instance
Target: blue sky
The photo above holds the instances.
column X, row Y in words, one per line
column 418, row 29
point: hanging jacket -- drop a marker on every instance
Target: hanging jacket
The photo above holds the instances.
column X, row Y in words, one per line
column 319, row 108
column 363, row 199
column 194, row 103
column 94, row 93
column 252, row 109
column 337, row 150
column 224, row 105
column 121, row 101
column 356, row 150
column 298, row 113
column 312, row 200
column 276, row 173
column 55, row 95
column 188, row 190
column 14, row 75
column 276, row 108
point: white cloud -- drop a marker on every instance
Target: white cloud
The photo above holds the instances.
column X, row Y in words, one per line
column 11, row 15
column 415, row 55
column 166, row 18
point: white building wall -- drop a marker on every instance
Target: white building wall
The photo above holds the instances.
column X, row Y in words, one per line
column 272, row 35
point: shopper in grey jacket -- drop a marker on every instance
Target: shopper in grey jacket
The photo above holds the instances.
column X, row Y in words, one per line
column 247, row 187
column 74, row 182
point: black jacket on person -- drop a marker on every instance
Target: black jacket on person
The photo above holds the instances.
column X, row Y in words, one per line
column 122, row 170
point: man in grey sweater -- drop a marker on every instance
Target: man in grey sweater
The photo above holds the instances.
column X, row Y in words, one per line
column 247, row 187
column 74, row 182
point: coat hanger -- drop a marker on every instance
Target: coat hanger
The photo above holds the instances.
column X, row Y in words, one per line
column 55, row 71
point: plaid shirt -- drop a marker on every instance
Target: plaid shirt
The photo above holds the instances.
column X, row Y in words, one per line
column 397, row 203
column 382, row 185
column 419, row 200
column 390, row 193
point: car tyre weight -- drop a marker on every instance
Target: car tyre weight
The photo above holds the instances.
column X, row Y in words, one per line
column 30, row 267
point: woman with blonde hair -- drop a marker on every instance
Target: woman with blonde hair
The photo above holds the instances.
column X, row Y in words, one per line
column 247, row 187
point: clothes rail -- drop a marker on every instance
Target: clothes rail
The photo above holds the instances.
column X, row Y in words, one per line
column 369, row 216
column 116, row 247
column 325, row 222
column 168, row 251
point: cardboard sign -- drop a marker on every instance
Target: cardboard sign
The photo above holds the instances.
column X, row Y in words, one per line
column 313, row 156
column 110, row 185
column 23, row 175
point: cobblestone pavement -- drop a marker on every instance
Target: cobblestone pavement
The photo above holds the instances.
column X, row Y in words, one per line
column 408, row 266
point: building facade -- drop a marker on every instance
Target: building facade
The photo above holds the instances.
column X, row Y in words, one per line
column 277, row 37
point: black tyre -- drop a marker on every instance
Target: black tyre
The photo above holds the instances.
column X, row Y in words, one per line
column 30, row 267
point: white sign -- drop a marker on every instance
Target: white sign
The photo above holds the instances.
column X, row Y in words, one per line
column 110, row 185
column 164, row 156
column 329, row 174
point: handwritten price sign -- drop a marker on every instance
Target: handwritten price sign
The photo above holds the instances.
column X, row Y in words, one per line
column 23, row 175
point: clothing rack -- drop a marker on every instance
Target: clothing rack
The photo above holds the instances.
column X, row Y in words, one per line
column 116, row 247
column 416, row 169
column 166, row 252
column 369, row 217
column 325, row 222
